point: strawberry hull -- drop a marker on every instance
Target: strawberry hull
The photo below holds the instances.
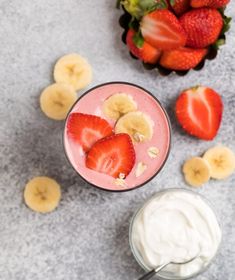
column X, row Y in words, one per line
column 124, row 22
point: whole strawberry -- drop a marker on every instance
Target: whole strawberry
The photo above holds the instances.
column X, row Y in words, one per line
column 202, row 26
column 209, row 3
column 141, row 49
column 182, row 59
column 180, row 6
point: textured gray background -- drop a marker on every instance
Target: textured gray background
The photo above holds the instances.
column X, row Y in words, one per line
column 87, row 236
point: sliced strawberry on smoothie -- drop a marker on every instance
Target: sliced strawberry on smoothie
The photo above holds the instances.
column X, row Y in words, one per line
column 162, row 30
column 209, row 3
column 182, row 58
column 113, row 155
column 87, row 129
column 199, row 111
column 141, row 49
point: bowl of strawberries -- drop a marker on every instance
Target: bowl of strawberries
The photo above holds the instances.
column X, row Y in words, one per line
column 174, row 35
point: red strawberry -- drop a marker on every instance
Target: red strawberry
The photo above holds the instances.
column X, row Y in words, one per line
column 182, row 59
column 180, row 6
column 200, row 3
column 209, row 3
column 87, row 129
column 203, row 27
column 199, row 111
column 113, row 155
column 146, row 52
column 162, row 30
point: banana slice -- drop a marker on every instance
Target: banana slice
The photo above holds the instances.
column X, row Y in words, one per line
column 74, row 70
column 118, row 105
column 221, row 160
column 56, row 101
column 196, row 171
column 42, row 194
column 138, row 125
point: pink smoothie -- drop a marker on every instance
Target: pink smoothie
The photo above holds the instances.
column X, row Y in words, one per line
column 91, row 103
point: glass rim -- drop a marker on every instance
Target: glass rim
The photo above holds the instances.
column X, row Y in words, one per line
column 168, row 125
column 137, row 256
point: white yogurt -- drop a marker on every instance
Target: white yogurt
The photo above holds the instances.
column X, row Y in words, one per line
column 175, row 226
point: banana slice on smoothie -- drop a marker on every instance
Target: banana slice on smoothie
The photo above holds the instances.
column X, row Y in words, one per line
column 56, row 100
column 74, row 70
column 196, row 171
column 221, row 160
column 42, row 194
column 118, row 105
column 137, row 124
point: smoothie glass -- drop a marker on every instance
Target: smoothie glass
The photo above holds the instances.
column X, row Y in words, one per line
column 91, row 103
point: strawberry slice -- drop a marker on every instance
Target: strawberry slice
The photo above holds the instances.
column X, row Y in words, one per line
column 113, row 155
column 199, row 111
column 141, row 49
column 87, row 129
column 182, row 59
column 162, row 30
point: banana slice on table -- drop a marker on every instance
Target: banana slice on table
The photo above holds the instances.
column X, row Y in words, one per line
column 221, row 160
column 137, row 124
column 74, row 70
column 118, row 105
column 196, row 171
column 42, row 194
column 56, row 100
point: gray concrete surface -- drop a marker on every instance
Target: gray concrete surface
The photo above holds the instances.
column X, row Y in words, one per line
column 87, row 236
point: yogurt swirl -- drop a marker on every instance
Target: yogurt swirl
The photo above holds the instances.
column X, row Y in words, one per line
column 175, row 226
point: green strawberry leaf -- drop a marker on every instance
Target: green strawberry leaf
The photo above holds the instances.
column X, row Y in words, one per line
column 227, row 23
column 139, row 8
column 226, row 20
column 219, row 43
column 134, row 24
column 160, row 5
column 138, row 40
column 118, row 4
column 172, row 2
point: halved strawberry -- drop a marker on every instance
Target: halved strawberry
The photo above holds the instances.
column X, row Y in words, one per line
column 203, row 27
column 209, row 3
column 113, row 155
column 199, row 111
column 141, row 49
column 87, row 129
column 182, row 59
column 162, row 30
column 180, row 6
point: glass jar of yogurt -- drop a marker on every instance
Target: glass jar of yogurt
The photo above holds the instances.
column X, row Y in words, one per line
column 175, row 225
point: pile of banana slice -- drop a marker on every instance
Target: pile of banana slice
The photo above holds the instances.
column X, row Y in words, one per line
column 123, row 109
column 217, row 163
column 72, row 72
